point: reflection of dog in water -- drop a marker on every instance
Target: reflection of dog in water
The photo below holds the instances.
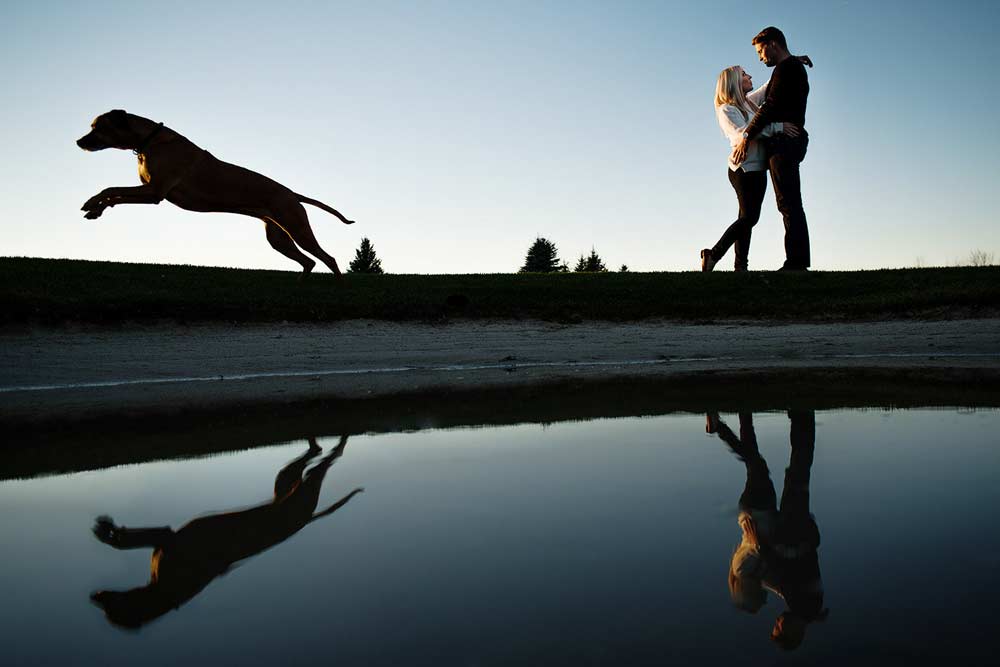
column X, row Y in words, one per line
column 185, row 561
column 173, row 168
column 778, row 549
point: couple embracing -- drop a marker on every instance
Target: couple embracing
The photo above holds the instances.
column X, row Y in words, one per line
column 766, row 129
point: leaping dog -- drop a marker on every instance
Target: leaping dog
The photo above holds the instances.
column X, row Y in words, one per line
column 188, row 559
column 173, row 168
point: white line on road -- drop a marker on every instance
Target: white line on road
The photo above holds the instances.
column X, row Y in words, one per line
column 452, row 368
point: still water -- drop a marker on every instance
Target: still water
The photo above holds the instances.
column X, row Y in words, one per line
column 866, row 536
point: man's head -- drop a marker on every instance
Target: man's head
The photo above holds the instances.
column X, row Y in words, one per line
column 771, row 46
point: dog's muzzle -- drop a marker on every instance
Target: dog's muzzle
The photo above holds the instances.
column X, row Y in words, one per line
column 90, row 143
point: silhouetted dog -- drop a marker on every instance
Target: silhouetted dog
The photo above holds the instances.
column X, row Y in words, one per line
column 186, row 560
column 173, row 168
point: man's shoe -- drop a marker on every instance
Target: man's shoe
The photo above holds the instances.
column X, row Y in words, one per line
column 707, row 261
column 798, row 269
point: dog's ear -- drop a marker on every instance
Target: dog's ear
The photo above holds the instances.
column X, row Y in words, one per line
column 118, row 118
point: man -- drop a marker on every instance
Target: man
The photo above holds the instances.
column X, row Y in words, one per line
column 785, row 101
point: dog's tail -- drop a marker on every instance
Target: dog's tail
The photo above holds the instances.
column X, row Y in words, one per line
column 319, row 204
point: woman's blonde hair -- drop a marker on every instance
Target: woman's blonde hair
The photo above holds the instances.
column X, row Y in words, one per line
column 746, row 587
column 729, row 90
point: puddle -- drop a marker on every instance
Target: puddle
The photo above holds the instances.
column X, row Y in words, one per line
column 867, row 536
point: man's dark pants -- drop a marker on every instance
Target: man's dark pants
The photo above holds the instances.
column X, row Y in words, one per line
column 786, row 153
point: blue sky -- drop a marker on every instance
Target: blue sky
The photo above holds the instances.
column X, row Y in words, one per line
column 457, row 132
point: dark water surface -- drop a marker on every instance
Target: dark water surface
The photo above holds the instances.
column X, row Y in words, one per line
column 610, row 541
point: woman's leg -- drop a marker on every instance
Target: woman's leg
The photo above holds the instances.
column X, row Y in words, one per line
column 754, row 187
column 750, row 187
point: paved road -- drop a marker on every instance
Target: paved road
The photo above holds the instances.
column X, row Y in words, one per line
column 68, row 373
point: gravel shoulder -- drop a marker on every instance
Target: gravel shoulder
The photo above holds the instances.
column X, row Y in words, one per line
column 83, row 373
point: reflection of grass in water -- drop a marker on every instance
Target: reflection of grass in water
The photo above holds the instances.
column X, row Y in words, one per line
column 109, row 441
column 48, row 290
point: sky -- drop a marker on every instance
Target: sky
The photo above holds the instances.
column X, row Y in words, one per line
column 457, row 132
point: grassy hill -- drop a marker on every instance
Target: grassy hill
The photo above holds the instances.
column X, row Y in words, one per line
column 47, row 291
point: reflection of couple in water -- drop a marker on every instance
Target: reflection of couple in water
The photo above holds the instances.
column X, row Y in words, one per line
column 766, row 130
column 185, row 561
column 777, row 551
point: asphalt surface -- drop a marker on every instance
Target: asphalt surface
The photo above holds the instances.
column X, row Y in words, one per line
column 85, row 372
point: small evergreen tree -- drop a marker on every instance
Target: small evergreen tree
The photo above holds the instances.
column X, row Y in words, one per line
column 624, row 269
column 365, row 260
column 591, row 264
column 542, row 257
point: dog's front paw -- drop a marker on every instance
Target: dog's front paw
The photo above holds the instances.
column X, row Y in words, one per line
column 105, row 530
column 94, row 202
column 94, row 207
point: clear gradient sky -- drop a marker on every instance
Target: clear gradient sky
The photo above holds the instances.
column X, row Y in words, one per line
column 456, row 132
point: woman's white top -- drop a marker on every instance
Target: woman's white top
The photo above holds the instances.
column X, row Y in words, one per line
column 733, row 124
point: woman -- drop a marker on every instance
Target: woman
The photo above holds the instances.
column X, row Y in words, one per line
column 735, row 107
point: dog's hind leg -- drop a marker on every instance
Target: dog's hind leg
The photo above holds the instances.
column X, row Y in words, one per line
column 293, row 219
column 291, row 475
column 283, row 243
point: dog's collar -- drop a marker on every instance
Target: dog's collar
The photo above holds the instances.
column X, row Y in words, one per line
column 149, row 137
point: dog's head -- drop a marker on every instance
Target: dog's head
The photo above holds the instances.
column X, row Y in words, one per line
column 135, row 608
column 109, row 130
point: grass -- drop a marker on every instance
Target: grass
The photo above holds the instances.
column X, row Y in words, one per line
column 56, row 446
column 48, row 291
